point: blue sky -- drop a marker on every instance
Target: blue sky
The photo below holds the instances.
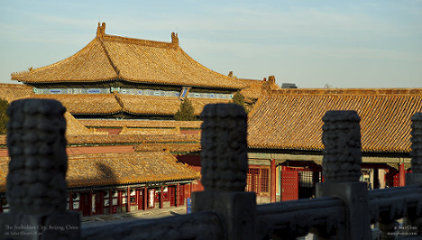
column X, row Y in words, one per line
column 346, row 44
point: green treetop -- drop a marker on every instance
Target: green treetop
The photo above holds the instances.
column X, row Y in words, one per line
column 239, row 99
column 185, row 112
column 3, row 116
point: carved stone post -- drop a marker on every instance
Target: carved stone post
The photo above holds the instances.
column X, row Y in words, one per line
column 224, row 165
column 36, row 184
column 415, row 178
column 416, row 138
column 341, row 168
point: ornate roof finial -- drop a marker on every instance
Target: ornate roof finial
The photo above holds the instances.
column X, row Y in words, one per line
column 271, row 79
column 174, row 38
column 101, row 29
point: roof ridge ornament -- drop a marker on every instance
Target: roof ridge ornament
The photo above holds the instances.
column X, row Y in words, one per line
column 175, row 38
column 101, row 29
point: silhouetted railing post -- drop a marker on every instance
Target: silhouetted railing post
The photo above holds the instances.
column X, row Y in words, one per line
column 341, row 168
column 415, row 178
column 416, row 138
column 224, row 166
column 36, row 184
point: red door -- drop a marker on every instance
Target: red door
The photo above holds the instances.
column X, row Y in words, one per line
column 140, row 199
column 85, row 204
column 172, row 195
column 181, row 195
column 289, row 184
column 396, row 180
column 252, row 180
column 99, row 201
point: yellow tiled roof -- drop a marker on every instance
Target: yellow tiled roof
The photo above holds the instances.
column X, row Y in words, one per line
column 140, row 123
column 149, row 131
column 171, row 147
column 154, row 105
column 104, row 104
column 161, row 105
column 86, row 104
column 255, row 88
column 109, row 57
column 99, row 138
column 118, row 168
column 74, row 127
column 292, row 119
column 11, row 92
column 130, row 139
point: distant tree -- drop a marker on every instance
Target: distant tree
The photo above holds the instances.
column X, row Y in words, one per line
column 3, row 116
column 185, row 112
column 239, row 99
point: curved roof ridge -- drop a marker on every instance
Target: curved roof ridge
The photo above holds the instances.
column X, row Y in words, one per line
column 144, row 42
column 347, row 91
column 241, row 85
column 109, row 57
column 20, row 76
column 56, row 63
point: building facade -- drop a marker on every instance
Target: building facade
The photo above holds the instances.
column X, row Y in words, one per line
column 120, row 77
column 109, row 182
column 285, row 132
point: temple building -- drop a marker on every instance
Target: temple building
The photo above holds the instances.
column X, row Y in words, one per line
column 119, row 77
column 285, row 132
column 108, row 183
column 117, row 173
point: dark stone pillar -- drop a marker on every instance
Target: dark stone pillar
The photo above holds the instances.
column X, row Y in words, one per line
column 36, row 184
column 415, row 178
column 341, row 168
column 224, row 166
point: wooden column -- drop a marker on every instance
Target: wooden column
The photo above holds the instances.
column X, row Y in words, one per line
column 182, row 195
column 315, row 176
column 161, row 196
column 128, row 199
column 70, row 201
column 273, row 186
column 145, row 198
column 101, row 202
column 176, row 195
column 376, row 180
column 139, row 199
column 188, row 189
column 110, row 201
column 90, row 203
column 402, row 175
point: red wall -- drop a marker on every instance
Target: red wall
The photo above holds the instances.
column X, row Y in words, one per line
column 194, row 161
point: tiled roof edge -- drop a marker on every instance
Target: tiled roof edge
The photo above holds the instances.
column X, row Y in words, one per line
column 347, row 91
